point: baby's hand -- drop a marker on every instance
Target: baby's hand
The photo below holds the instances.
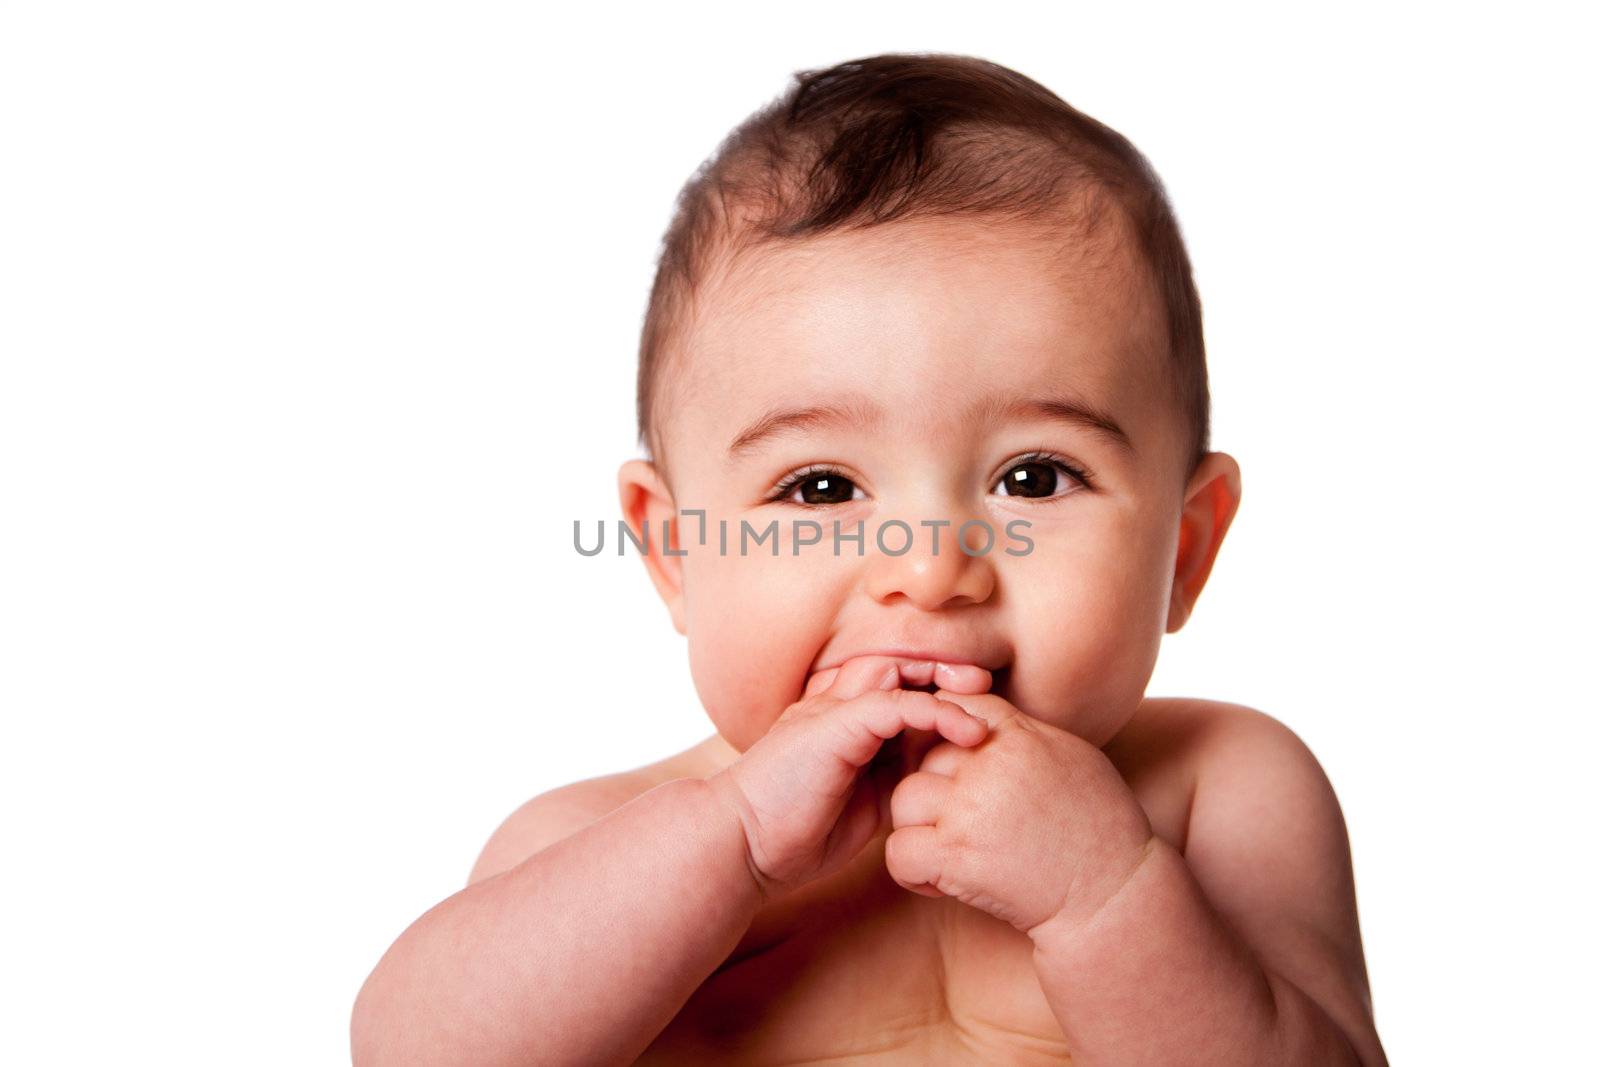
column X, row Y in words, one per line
column 1036, row 824
column 799, row 791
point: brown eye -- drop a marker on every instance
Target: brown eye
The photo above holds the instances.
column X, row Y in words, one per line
column 1040, row 478
column 825, row 489
column 1033, row 479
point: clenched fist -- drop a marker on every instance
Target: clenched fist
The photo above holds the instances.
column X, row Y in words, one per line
column 806, row 805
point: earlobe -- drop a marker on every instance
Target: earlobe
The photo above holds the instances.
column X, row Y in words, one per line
column 1211, row 500
column 647, row 504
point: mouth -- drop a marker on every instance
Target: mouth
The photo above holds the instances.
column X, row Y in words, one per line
column 990, row 658
column 999, row 685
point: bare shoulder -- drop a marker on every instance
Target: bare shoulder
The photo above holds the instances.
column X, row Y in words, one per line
column 559, row 812
column 1166, row 748
column 1260, row 795
column 1233, row 739
column 1260, row 792
column 551, row 816
column 1266, row 842
column 1187, row 742
column 1243, row 774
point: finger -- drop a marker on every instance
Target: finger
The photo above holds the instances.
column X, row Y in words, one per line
column 962, row 678
column 863, row 814
column 911, row 856
column 944, row 758
column 819, row 682
column 958, row 724
column 957, row 677
column 992, row 709
column 872, row 718
column 919, row 799
column 862, row 675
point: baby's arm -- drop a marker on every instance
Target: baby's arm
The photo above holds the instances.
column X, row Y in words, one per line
column 582, row 952
column 1245, row 948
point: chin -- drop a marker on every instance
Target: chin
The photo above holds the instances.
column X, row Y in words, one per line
column 1057, row 712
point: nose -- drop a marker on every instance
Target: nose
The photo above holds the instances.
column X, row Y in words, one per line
column 948, row 579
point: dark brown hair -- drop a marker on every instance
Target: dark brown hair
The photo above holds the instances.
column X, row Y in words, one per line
column 911, row 135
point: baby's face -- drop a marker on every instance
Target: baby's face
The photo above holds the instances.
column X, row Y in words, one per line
column 945, row 343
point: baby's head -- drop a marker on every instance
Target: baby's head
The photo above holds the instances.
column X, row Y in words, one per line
column 923, row 288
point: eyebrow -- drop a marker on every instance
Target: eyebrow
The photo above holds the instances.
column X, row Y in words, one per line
column 1072, row 410
column 859, row 411
column 852, row 410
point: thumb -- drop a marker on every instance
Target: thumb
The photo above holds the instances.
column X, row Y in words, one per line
column 819, row 682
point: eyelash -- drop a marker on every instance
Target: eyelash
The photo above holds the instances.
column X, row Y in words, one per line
column 793, row 481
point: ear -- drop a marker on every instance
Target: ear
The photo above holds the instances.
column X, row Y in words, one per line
column 646, row 504
column 1210, row 501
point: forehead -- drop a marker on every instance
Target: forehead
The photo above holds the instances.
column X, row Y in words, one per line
column 929, row 317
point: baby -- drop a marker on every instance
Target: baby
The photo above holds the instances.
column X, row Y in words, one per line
column 923, row 386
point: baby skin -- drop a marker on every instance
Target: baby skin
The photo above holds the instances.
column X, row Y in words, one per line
column 939, row 820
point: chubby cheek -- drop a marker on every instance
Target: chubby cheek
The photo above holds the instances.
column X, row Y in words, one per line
column 1086, row 640
column 755, row 625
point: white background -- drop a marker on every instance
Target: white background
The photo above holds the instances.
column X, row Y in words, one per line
column 318, row 325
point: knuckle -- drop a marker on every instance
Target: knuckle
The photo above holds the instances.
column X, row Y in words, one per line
column 955, row 831
column 956, row 849
column 899, row 849
column 823, row 701
column 841, row 727
column 815, row 705
column 907, row 794
column 914, row 698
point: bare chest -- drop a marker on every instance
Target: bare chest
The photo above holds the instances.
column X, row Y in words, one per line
column 885, row 978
